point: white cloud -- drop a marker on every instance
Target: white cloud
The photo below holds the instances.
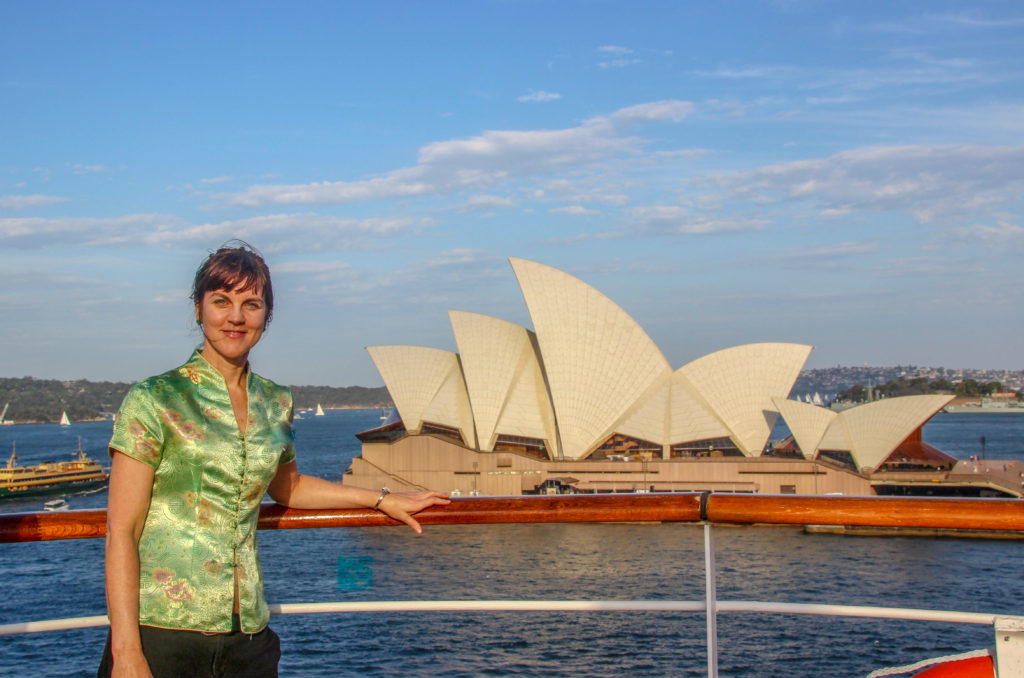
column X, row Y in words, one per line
column 622, row 57
column 329, row 276
column 932, row 183
column 275, row 233
column 216, row 180
column 973, row 21
column 539, row 95
column 573, row 211
column 34, row 232
column 919, row 72
column 79, row 168
column 458, row 255
column 677, row 220
column 483, row 203
column 311, row 266
column 1003, row 233
column 741, row 73
column 480, row 162
column 23, row 202
column 617, row 63
column 832, row 255
column 671, row 110
column 692, row 153
column 572, row 191
column 580, row 238
column 602, row 197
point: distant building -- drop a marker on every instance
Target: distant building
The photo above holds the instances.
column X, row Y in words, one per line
column 586, row 402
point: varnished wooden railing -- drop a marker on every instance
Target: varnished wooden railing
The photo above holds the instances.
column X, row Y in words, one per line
column 1005, row 515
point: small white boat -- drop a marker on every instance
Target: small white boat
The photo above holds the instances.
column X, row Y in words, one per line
column 56, row 505
column 319, row 410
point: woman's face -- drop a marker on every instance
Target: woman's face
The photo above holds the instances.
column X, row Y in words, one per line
column 233, row 321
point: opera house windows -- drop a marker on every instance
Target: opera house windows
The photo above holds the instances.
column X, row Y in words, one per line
column 624, row 448
column 710, row 447
column 442, row 430
column 391, row 431
column 841, row 457
column 534, row 447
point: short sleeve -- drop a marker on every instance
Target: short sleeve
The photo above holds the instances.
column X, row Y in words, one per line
column 289, row 452
column 137, row 429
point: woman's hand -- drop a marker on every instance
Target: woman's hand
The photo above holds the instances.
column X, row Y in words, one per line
column 401, row 505
column 293, row 490
column 131, row 665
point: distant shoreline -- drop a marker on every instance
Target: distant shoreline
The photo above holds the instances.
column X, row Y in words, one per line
column 982, row 409
column 96, row 419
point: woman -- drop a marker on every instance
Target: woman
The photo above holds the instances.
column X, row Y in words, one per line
column 193, row 452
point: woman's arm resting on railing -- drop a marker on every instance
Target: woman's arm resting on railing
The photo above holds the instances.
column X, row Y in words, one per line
column 131, row 485
column 309, row 492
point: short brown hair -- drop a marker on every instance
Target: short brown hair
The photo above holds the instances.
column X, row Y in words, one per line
column 235, row 264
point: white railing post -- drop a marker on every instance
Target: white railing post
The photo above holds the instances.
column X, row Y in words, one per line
column 711, row 601
column 1009, row 646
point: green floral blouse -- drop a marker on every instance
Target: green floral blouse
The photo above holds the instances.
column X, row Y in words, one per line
column 208, row 485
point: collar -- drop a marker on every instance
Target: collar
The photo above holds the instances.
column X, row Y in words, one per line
column 201, row 373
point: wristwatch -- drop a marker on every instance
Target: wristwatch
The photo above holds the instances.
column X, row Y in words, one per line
column 383, row 493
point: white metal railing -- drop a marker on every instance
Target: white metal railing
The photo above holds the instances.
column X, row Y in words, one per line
column 1008, row 630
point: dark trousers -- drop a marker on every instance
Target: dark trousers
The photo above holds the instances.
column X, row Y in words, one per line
column 194, row 654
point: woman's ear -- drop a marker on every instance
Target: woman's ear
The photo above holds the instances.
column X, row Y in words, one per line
column 199, row 316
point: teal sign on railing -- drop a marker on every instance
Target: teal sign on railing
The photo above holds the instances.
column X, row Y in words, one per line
column 355, row 573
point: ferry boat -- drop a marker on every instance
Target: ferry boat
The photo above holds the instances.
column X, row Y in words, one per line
column 51, row 477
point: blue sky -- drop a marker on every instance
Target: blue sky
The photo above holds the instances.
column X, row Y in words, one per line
column 846, row 175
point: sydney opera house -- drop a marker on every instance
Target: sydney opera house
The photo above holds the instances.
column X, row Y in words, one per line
column 586, row 402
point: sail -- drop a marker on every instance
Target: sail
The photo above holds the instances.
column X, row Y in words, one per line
column 319, row 410
column 64, row 421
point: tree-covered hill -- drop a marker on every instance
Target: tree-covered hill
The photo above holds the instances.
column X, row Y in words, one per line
column 307, row 397
column 42, row 400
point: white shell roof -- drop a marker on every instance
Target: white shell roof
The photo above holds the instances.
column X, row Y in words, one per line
column 806, row 422
column 504, row 380
column 590, row 371
column 599, row 362
column 650, row 419
column 426, row 385
column 672, row 415
column 738, row 385
column 875, row 429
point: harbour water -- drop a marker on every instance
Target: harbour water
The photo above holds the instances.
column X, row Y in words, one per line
column 550, row 561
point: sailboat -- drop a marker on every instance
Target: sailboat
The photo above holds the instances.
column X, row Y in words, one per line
column 5, row 422
column 64, row 421
column 319, row 410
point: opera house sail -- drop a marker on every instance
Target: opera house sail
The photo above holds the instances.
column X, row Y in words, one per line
column 586, row 402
